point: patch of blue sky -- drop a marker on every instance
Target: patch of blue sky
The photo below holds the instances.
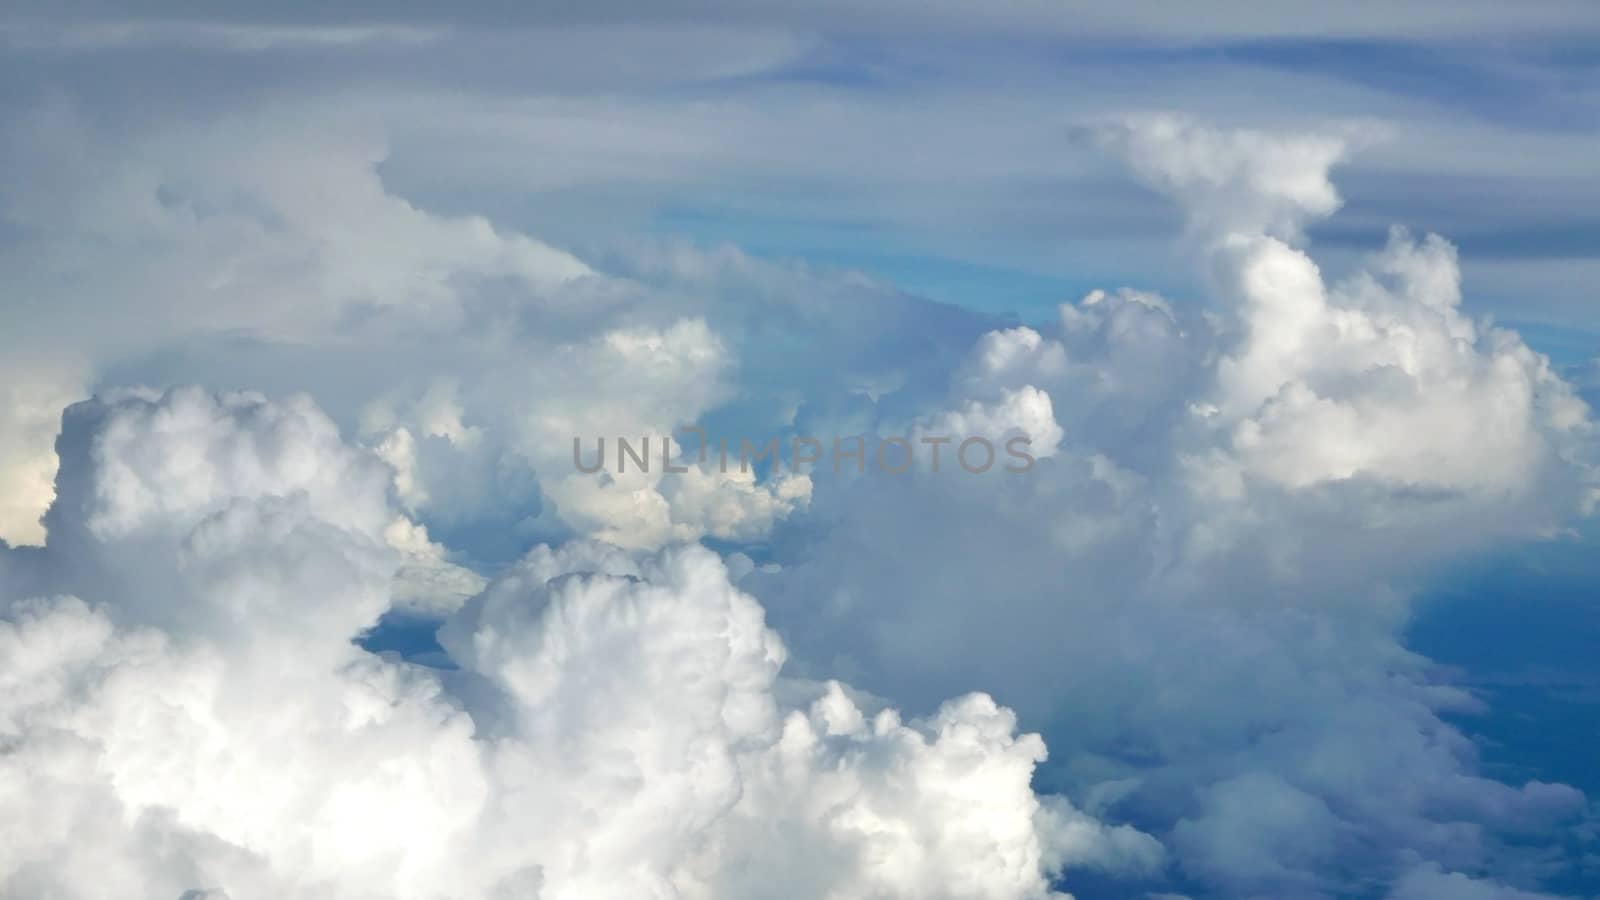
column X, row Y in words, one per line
column 922, row 265
column 1520, row 628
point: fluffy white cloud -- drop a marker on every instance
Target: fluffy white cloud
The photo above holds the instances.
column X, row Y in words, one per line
column 1205, row 586
column 1198, row 592
column 240, row 229
column 641, row 385
column 31, row 401
column 194, row 716
column 1024, row 412
column 279, row 232
column 1233, row 180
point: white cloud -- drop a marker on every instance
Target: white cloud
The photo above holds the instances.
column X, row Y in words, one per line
column 200, row 720
column 1199, row 590
column 31, row 401
column 1232, row 180
column 1206, row 585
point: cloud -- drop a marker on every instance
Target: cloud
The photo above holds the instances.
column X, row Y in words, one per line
column 1428, row 880
column 239, row 38
column 194, row 716
column 1198, row 593
column 1232, row 180
column 1204, row 586
column 30, row 413
column 387, row 299
column 1149, row 20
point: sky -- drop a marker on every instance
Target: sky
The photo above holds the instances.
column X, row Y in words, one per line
column 1278, row 320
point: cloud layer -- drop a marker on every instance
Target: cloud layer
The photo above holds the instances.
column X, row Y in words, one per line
column 706, row 683
column 186, row 710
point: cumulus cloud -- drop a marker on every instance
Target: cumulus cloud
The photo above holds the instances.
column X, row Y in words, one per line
column 1198, row 592
column 238, row 242
column 1238, row 179
column 226, row 230
column 30, row 413
column 186, row 714
column 1215, row 566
